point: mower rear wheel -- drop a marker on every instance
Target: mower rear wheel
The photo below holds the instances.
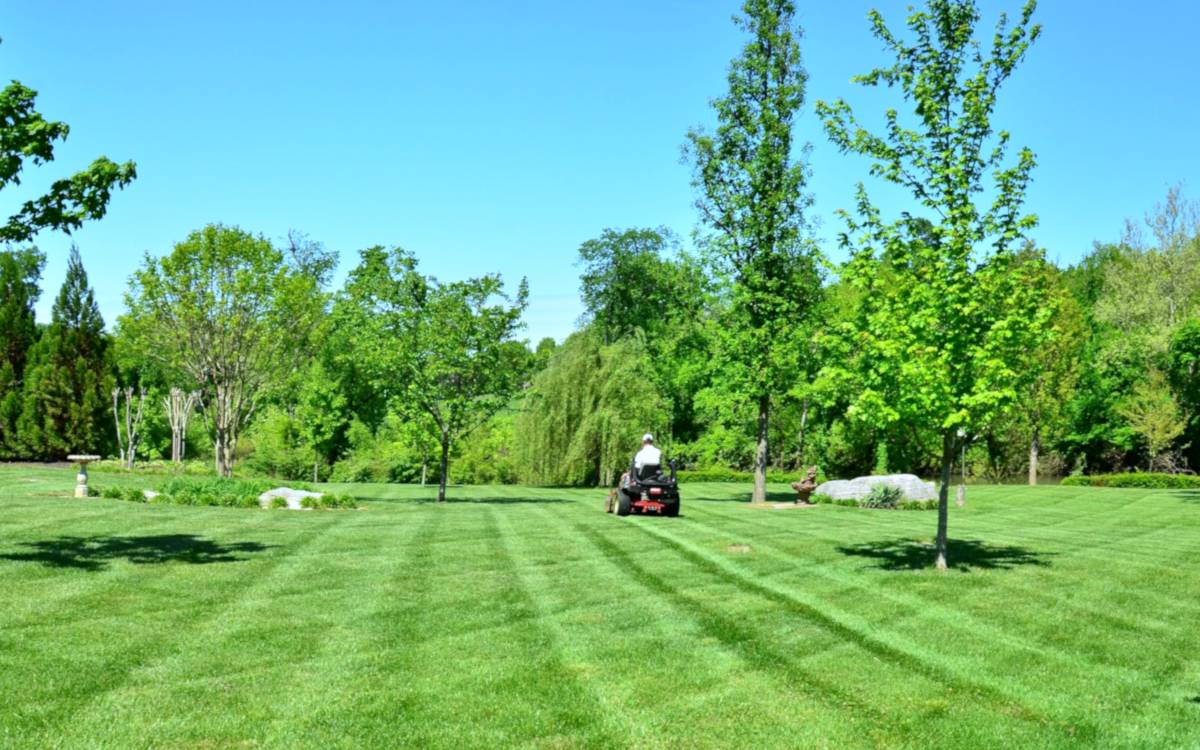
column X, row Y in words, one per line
column 624, row 504
column 671, row 510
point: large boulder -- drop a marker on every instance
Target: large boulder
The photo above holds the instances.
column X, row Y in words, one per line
column 291, row 496
column 858, row 488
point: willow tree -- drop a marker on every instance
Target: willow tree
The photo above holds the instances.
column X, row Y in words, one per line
column 752, row 202
column 945, row 312
column 584, row 415
column 233, row 316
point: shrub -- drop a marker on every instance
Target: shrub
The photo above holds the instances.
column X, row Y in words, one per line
column 113, row 493
column 311, row 503
column 279, row 502
column 882, row 496
column 722, row 474
column 1138, row 480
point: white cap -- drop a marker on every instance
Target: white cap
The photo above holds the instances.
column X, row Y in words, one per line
column 647, row 438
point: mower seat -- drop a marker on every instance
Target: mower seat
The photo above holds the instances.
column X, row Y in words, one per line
column 649, row 471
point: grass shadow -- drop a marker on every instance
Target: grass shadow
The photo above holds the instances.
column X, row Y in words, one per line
column 95, row 552
column 1188, row 496
column 963, row 555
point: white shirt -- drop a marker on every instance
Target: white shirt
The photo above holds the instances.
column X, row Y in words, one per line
column 647, row 455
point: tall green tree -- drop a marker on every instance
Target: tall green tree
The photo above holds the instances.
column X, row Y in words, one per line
column 229, row 315
column 20, row 271
column 441, row 351
column 947, row 305
column 751, row 180
column 28, row 137
column 67, row 382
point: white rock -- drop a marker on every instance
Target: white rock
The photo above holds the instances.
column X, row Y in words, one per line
column 293, row 497
column 858, row 488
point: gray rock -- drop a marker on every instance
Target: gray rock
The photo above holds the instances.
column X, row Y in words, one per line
column 293, row 497
column 858, row 488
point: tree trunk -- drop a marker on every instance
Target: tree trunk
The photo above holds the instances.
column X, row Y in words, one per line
column 223, row 447
column 801, row 436
column 944, row 498
column 760, row 456
column 445, row 466
column 316, row 465
column 1034, row 444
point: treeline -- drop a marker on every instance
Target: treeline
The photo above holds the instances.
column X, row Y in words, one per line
column 946, row 334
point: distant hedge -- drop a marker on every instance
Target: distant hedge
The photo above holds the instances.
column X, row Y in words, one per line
column 1140, row 480
column 718, row 474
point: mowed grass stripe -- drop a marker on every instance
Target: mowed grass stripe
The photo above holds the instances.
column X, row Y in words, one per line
column 858, row 719
column 850, row 627
column 667, row 635
column 251, row 661
column 140, row 643
column 43, row 597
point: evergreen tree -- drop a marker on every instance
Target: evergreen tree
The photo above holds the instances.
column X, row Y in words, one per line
column 66, row 393
column 20, row 271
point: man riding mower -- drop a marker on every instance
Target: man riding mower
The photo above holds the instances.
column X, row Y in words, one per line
column 644, row 488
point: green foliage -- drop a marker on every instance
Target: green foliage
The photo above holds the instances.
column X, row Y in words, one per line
column 1143, row 480
column 440, row 352
column 227, row 493
column 881, row 459
column 584, row 415
column 892, row 501
column 231, row 315
column 882, row 496
column 1152, row 413
column 20, row 271
column 67, row 380
column 752, row 202
column 395, row 453
column 722, row 474
column 26, row 136
column 948, row 302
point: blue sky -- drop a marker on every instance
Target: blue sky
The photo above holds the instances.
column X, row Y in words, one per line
column 497, row 137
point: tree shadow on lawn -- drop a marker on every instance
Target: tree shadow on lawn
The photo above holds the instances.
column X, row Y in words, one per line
column 1188, row 496
column 95, row 552
column 963, row 554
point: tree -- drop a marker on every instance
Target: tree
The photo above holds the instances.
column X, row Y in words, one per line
column 27, row 136
column 67, row 382
column 628, row 285
column 20, row 271
column 443, row 351
column 946, row 309
column 585, row 413
column 233, row 315
column 321, row 413
column 752, row 202
column 179, row 408
column 635, row 283
column 1153, row 413
column 128, row 430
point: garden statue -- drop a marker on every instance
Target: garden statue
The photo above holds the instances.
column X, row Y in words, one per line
column 81, row 478
column 805, row 487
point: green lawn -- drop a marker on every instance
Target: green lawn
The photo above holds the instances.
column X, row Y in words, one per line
column 529, row 618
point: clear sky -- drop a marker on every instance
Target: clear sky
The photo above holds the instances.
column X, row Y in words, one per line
column 498, row 136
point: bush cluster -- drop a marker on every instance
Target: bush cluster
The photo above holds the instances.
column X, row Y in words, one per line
column 722, row 474
column 882, row 496
column 900, row 504
column 1139, row 480
column 226, row 493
